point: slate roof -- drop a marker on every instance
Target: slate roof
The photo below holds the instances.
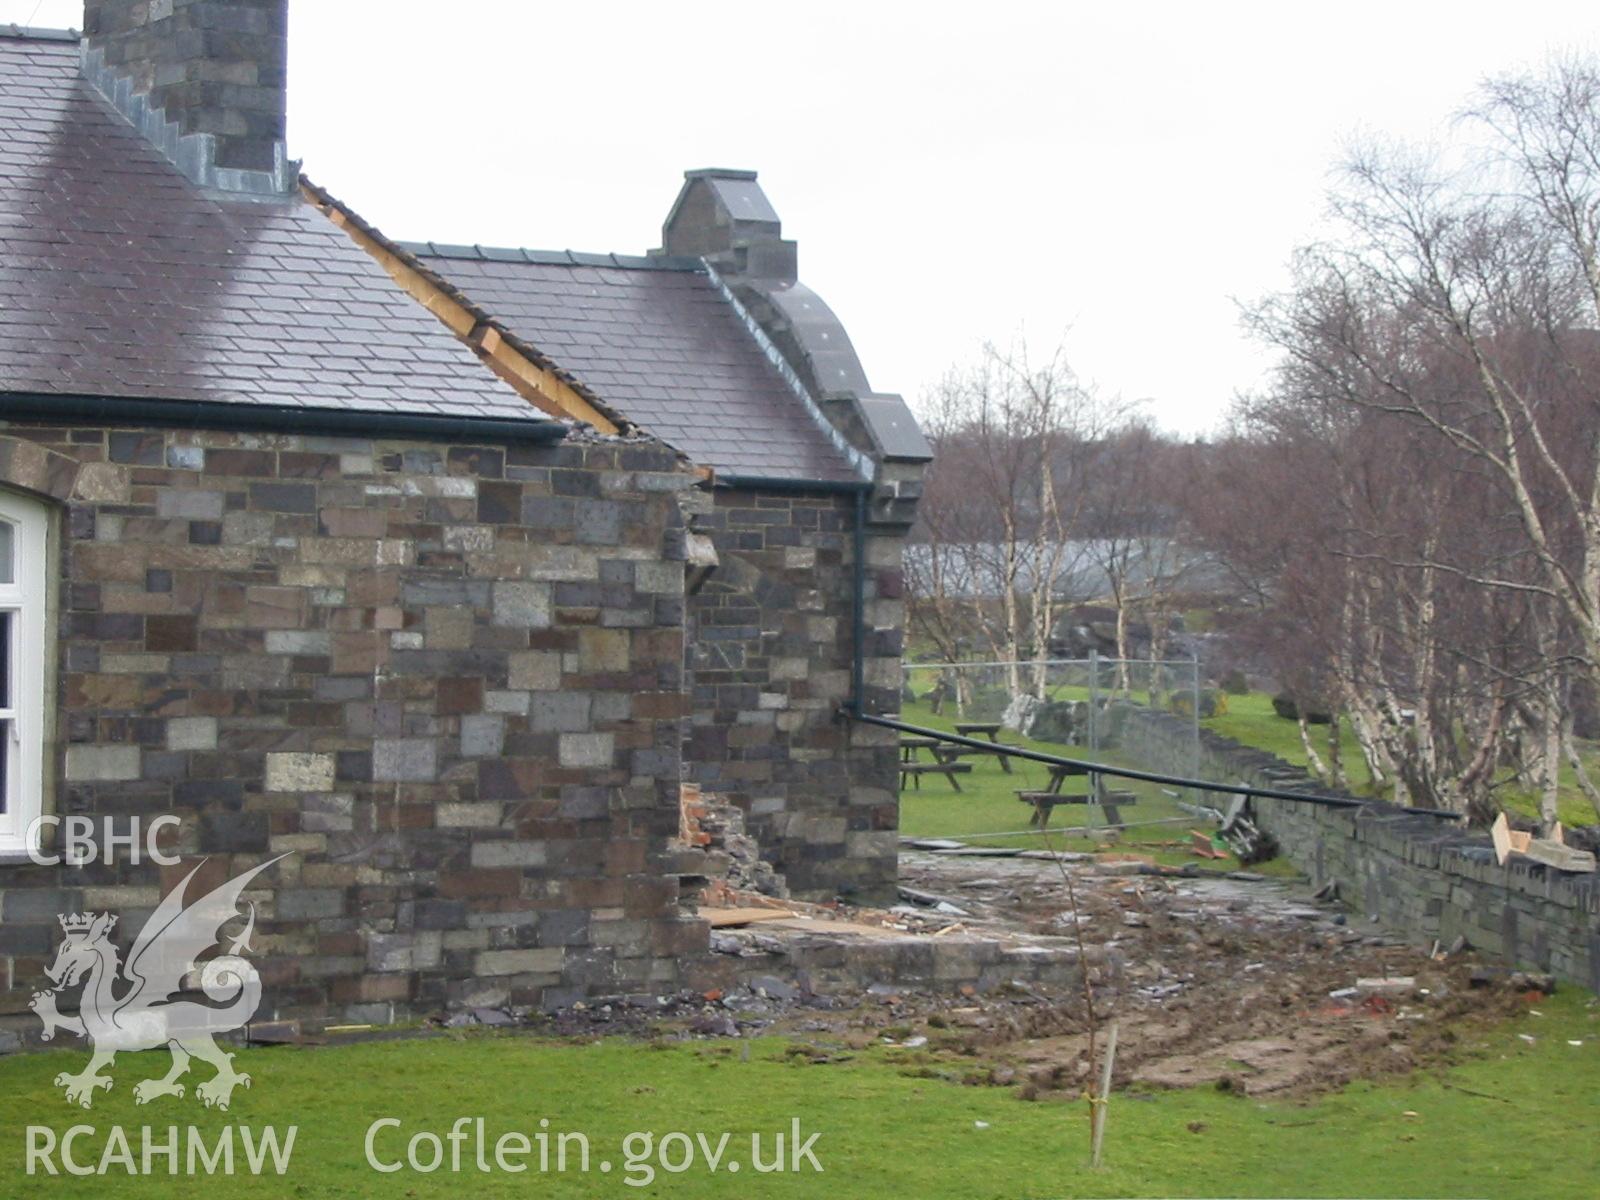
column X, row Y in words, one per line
column 658, row 340
column 118, row 277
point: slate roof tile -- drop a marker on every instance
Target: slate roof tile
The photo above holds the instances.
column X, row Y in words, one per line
column 118, row 277
column 660, row 343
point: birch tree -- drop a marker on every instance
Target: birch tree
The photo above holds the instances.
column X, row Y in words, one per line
column 1457, row 307
column 1003, row 503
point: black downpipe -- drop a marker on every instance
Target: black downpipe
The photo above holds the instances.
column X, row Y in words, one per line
column 1232, row 789
column 259, row 418
column 856, row 705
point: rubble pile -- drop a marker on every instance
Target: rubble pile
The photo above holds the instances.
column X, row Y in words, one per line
column 1240, row 980
column 1233, row 980
column 715, row 854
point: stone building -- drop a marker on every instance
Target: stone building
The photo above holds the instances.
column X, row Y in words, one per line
column 438, row 570
column 713, row 344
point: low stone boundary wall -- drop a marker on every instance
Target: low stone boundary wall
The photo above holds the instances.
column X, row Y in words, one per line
column 1418, row 876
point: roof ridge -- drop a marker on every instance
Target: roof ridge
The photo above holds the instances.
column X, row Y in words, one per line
column 556, row 258
column 34, row 34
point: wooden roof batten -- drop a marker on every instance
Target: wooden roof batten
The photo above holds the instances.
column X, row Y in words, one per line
column 527, row 372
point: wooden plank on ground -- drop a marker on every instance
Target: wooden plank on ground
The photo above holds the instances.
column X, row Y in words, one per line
column 721, row 918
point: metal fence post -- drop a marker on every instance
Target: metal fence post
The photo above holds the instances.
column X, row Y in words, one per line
column 1195, row 699
column 1094, row 700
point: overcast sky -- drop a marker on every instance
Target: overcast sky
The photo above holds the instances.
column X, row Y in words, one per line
column 1117, row 174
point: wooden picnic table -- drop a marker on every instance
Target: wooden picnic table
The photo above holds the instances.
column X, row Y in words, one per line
column 1044, row 801
column 989, row 729
column 944, row 762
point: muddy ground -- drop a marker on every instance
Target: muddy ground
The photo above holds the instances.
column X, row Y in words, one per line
column 1243, row 984
column 1247, row 985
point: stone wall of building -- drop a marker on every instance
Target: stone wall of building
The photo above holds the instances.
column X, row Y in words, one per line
column 446, row 680
column 1417, row 875
column 771, row 654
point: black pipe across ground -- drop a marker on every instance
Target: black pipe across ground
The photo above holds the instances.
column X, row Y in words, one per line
column 1232, row 789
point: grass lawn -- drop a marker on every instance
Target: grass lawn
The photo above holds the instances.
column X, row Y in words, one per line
column 987, row 804
column 1511, row 1118
column 1250, row 720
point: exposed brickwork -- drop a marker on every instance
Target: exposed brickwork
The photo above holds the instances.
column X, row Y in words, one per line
column 449, row 679
column 770, row 658
column 714, row 853
column 692, row 809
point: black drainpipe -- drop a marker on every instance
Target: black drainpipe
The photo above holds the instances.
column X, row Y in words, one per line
column 860, row 489
column 855, row 706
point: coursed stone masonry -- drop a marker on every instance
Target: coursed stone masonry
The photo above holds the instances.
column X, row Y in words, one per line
column 447, row 679
column 771, row 655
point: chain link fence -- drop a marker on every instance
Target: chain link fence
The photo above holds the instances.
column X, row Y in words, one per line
column 1082, row 708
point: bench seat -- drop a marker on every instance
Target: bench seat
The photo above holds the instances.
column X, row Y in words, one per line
column 1056, row 798
column 915, row 772
column 1044, row 804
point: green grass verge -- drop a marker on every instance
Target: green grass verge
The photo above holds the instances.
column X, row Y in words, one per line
column 1513, row 1118
column 988, row 804
column 1251, row 721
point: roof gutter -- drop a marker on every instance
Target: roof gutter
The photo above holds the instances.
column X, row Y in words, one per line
column 258, row 418
column 772, row 483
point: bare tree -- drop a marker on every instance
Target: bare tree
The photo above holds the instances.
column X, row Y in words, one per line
column 1454, row 316
column 999, row 524
column 1350, row 611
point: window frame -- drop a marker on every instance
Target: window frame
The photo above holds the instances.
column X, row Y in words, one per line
column 25, row 597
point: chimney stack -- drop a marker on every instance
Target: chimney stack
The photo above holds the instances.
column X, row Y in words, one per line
column 725, row 218
column 205, row 80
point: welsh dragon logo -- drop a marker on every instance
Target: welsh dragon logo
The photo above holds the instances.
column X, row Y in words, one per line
column 128, row 1006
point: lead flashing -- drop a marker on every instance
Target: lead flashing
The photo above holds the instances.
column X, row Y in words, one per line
column 194, row 154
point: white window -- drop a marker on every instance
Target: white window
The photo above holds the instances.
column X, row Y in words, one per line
column 23, row 548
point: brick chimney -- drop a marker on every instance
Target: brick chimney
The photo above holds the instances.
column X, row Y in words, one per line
column 205, row 80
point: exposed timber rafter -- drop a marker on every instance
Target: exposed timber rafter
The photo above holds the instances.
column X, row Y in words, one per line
column 533, row 376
